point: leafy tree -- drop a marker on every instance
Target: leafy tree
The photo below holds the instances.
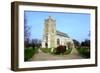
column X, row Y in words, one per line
column 76, row 43
column 86, row 43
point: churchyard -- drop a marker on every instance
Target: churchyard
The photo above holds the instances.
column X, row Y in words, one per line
column 37, row 53
column 50, row 40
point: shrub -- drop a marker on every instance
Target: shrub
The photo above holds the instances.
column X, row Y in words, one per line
column 29, row 52
column 84, row 52
column 60, row 49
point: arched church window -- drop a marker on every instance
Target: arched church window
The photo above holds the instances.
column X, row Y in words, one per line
column 58, row 41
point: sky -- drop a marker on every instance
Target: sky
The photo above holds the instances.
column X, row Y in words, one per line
column 76, row 25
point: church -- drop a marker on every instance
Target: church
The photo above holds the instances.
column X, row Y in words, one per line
column 52, row 37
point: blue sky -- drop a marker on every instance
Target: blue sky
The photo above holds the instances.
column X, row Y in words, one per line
column 76, row 25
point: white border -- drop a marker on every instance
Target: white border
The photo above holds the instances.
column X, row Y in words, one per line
column 34, row 64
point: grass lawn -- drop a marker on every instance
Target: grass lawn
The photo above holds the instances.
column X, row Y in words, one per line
column 29, row 52
column 68, row 51
column 84, row 52
column 46, row 50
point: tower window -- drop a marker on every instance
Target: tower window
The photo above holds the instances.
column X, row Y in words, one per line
column 46, row 38
column 52, row 30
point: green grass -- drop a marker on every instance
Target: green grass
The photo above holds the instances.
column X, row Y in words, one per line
column 29, row 52
column 68, row 51
column 84, row 52
column 46, row 50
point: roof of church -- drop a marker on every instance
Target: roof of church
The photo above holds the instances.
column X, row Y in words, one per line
column 62, row 34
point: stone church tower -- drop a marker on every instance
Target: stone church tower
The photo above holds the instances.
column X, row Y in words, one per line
column 53, row 38
column 49, row 36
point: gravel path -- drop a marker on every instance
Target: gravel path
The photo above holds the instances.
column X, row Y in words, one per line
column 41, row 56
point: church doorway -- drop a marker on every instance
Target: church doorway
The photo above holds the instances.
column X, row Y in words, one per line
column 46, row 44
column 58, row 41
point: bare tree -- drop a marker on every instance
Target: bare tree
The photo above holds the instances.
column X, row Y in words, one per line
column 26, row 32
column 36, row 43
